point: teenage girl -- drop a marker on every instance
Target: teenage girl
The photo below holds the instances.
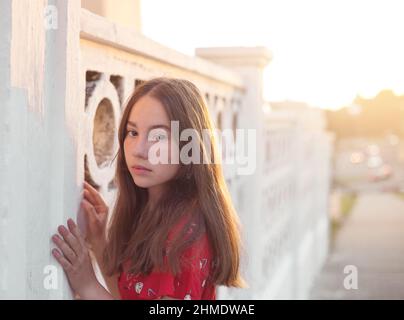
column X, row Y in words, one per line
column 173, row 232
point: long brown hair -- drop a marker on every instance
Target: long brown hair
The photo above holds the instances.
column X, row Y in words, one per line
column 138, row 233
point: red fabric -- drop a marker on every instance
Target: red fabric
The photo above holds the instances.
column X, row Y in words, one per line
column 189, row 284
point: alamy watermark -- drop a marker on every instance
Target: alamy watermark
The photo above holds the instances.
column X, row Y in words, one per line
column 50, row 21
column 351, row 280
column 237, row 147
column 50, row 281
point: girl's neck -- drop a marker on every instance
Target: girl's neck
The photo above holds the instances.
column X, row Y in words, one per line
column 155, row 194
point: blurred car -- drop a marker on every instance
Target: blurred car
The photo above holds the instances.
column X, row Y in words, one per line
column 374, row 161
column 356, row 157
column 382, row 173
column 373, row 150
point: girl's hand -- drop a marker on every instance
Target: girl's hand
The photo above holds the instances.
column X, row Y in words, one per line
column 97, row 216
column 75, row 260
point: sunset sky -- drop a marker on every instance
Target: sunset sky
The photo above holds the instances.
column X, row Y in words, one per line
column 324, row 52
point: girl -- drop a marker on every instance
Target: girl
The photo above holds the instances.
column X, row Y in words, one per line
column 174, row 233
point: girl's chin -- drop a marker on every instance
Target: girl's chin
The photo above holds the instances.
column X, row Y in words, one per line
column 142, row 184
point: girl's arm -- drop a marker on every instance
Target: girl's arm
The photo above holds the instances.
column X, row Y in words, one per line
column 111, row 281
column 98, row 292
column 97, row 216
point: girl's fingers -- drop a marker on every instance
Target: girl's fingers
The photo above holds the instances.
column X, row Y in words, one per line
column 90, row 210
column 88, row 196
column 89, row 188
column 70, row 239
column 94, row 211
column 75, row 230
column 96, row 195
column 92, row 201
column 66, row 265
column 67, row 251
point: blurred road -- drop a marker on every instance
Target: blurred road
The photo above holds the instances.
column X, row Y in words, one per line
column 353, row 173
column 372, row 240
column 394, row 183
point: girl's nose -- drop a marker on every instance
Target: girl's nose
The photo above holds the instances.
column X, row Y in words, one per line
column 141, row 148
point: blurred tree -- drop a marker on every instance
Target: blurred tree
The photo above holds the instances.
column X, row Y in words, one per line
column 380, row 115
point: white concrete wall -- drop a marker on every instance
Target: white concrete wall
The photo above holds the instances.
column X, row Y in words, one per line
column 40, row 131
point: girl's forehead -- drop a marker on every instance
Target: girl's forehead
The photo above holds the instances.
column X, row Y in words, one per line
column 148, row 113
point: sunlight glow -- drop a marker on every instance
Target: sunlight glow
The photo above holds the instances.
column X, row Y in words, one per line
column 324, row 52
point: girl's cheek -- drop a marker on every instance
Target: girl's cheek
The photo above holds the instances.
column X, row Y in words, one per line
column 174, row 154
column 166, row 172
column 125, row 148
column 158, row 154
column 164, row 153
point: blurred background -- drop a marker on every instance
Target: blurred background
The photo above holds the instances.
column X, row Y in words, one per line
column 320, row 82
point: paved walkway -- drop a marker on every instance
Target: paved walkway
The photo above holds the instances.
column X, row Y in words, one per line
column 372, row 239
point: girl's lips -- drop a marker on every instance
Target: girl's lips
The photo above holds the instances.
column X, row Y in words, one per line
column 140, row 169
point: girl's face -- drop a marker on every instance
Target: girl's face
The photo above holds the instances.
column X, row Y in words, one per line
column 148, row 130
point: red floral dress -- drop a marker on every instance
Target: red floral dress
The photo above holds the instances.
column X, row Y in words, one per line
column 190, row 284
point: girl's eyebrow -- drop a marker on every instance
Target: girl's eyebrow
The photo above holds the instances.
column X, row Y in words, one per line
column 130, row 123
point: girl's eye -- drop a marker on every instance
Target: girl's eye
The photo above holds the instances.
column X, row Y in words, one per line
column 159, row 137
column 132, row 133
